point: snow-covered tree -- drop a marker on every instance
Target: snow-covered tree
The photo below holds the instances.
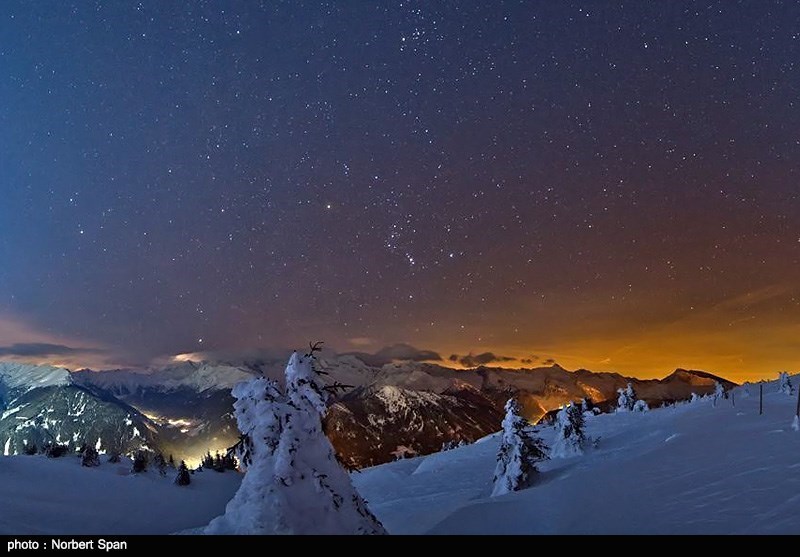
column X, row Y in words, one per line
column 55, row 450
column 89, row 456
column 745, row 390
column 627, row 399
column 719, row 393
column 518, row 454
column 641, row 406
column 259, row 410
column 160, row 463
column 454, row 444
column 570, row 437
column 694, row 398
column 183, row 477
column 140, row 461
column 785, row 384
column 294, row 483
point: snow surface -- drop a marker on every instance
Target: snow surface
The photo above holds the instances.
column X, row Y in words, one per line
column 59, row 496
column 694, row 468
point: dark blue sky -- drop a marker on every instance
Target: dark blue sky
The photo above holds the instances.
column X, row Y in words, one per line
column 612, row 185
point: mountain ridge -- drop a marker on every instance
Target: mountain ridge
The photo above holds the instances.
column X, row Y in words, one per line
column 43, row 405
column 394, row 409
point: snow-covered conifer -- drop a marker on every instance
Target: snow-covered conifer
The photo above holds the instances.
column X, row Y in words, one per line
column 745, row 391
column 640, row 406
column 89, row 456
column 570, row 437
column 785, row 384
column 294, row 483
column 627, row 399
column 518, row 454
column 160, row 464
column 140, row 462
column 183, row 477
column 453, row 444
column 694, row 398
column 719, row 392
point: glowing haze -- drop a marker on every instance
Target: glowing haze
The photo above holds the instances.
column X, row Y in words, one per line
column 606, row 185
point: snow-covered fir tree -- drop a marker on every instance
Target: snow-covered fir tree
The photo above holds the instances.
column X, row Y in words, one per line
column 641, row 406
column 570, row 437
column 55, row 450
column 89, row 456
column 694, row 398
column 745, row 390
column 627, row 399
column 719, row 393
column 294, row 483
column 518, row 454
column 454, row 444
column 785, row 384
column 160, row 463
column 183, row 477
column 140, row 462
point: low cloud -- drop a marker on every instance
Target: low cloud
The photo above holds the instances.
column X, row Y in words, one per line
column 538, row 361
column 361, row 342
column 475, row 360
column 394, row 353
column 43, row 350
column 21, row 341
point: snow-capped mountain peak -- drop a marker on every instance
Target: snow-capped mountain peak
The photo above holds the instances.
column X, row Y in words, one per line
column 14, row 375
column 199, row 377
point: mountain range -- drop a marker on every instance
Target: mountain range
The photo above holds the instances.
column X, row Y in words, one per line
column 44, row 405
column 391, row 410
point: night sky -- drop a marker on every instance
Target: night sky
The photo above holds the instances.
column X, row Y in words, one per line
column 608, row 185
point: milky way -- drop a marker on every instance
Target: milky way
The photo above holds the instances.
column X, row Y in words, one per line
column 610, row 185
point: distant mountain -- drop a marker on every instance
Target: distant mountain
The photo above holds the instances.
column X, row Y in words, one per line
column 393, row 409
column 199, row 377
column 190, row 402
column 372, row 425
column 42, row 404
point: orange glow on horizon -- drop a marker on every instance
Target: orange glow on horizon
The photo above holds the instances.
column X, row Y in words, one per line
column 744, row 337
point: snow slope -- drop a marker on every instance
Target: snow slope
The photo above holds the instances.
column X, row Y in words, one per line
column 59, row 496
column 694, row 468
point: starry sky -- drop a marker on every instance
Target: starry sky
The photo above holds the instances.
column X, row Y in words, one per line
column 610, row 185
